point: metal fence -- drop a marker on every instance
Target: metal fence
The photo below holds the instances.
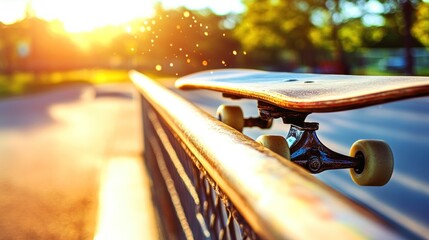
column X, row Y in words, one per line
column 211, row 182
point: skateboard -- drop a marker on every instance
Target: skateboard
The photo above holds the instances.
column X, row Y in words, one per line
column 293, row 96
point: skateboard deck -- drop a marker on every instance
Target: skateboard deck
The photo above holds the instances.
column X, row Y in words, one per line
column 308, row 92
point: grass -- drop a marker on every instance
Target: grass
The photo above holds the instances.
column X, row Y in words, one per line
column 422, row 71
column 372, row 71
column 24, row 82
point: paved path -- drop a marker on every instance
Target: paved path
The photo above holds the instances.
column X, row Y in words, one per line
column 70, row 166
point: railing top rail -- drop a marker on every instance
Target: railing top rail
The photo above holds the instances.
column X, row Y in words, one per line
column 278, row 199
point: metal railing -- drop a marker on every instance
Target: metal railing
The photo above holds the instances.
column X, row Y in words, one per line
column 211, row 182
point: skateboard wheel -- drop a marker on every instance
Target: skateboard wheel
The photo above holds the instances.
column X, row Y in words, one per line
column 232, row 116
column 378, row 162
column 276, row 144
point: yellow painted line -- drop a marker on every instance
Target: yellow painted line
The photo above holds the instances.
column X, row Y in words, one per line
column 125, row 205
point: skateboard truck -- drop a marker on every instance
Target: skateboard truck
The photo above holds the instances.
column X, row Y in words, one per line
column 305, row 147
column 309, row 152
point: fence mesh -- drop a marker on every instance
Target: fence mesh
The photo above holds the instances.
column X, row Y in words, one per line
column 190, row 204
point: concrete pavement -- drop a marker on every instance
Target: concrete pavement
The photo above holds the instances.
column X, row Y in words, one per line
column 71, row 167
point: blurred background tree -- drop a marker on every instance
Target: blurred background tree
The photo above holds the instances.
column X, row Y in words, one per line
column 321, row 33
column 178, row 42
column 33, row 45
column 272, row 30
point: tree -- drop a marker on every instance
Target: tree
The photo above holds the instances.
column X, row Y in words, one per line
column 178, row 42
column 304, row 27
column 269, row 29
column 407, row 12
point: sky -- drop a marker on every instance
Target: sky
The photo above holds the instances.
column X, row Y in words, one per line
column 85, row 15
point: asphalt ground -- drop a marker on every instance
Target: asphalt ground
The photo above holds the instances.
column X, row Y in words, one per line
column 71, row 165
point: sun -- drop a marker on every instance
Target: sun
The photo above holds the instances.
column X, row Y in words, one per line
column 87, row 15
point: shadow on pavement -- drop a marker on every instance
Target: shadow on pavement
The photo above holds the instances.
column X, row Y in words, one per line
column 31, row 111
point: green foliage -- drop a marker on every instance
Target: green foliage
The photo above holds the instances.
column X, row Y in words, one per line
column 421, row 26
column 274, row 26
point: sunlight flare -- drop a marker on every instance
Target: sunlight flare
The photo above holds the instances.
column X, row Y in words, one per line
column 84, row 16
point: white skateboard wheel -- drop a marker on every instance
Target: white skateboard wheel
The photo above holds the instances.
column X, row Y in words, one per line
column 276, row 144
column 378, row 162
column 232, row 116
